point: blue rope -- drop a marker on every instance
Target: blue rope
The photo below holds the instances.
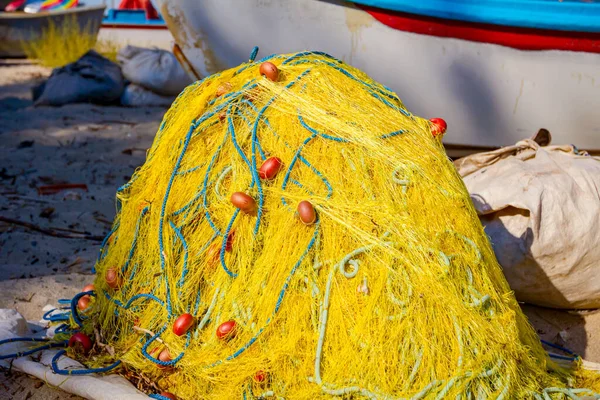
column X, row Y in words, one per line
column 184, row 272
column 293, row 162
column 128, row 184
column 253, row 54
column 277, row 305
column 385, row 91
column 252, row 166
column 130, row 280
column 392, row 134
column 559, row 347
column 158, row 396
column 156, row 360
column 369, row 87
column 247, row 121
column 229, row 97
column 143, row 296
column 74, row 301
column 267, row 58
column 309, row 53
column 295, row 182
column 59, row 371
column 197, row 302
column 63, row 328
column 319, row 174
column 231, row 132
column 162, row 215
column 29, row 352
column 559, row 357
column 266, row 121
column 101, row 255
column 254, row 140
column 224, row 244
column 58, row 317
column 205, row 187
column 215, row 122
column 134, row 241
column 23, row 339
column 131, row 300
column 305, row 126
column 188, row 204
column 187, row 171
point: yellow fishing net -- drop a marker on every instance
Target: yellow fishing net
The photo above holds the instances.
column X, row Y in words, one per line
column 393, row 292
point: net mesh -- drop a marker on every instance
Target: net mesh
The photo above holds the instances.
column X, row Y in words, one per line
column 394, row 291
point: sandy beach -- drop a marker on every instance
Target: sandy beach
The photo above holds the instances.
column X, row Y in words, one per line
column 98, row 148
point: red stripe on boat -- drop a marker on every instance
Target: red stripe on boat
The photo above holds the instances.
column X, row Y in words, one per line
column 141, row 27
column 519, row 38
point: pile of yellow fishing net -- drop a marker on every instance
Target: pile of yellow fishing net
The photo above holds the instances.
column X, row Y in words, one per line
column 381, row 285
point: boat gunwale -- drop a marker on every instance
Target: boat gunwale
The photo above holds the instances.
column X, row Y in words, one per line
column 20, row 15
column 567, row 16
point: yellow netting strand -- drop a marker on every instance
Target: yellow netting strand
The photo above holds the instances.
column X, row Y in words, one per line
column 393, row 293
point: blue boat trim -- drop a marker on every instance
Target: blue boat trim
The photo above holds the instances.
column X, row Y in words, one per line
column 565, row 15
column 116, row 17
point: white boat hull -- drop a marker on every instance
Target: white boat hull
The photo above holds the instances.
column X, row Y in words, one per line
column 490, row 95
column 141, row 37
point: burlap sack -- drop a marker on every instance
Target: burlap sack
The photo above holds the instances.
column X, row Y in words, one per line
column 540, row 206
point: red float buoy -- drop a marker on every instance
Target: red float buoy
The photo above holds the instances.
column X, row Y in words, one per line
column 438, row 126
column 168, row 395
column 80, row 340
column 244, row 202
column 229, row 244
column 164, row 356
column 112, row 278
column 226, row 330
column 212, row 253
column 269, row 70
column 214, row 250
column 270, row 168
column 307, row 212
column 223, row 89
column 83, row 302
column 88, row 288
column 182, row 324
column 260, row 376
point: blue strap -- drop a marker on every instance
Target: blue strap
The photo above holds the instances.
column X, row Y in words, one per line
column 59, row 371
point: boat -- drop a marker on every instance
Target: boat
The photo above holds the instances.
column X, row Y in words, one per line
column 136, row 23
column 19, row 27
column 497, row 71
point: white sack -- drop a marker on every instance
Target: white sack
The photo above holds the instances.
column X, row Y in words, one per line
column 540, row 206
column 92, row 386
column 154, row 69
column 137, row 96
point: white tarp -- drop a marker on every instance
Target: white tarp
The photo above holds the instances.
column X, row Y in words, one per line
column 92, row 386
column 540, row 206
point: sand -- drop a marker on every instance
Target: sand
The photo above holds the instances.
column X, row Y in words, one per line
column 100, row 147
column 83, row 144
